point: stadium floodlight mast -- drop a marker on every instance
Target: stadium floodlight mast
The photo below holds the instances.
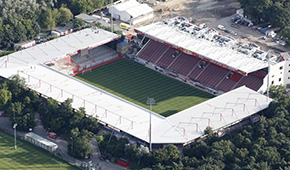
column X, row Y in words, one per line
column 14, row 127
column 150, row 101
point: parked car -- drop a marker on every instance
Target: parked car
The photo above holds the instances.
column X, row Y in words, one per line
column 221, row 27
column 234, row 33
column 227, row 31
column 264, row 38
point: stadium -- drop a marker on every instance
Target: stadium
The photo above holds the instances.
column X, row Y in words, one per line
column 198, row 78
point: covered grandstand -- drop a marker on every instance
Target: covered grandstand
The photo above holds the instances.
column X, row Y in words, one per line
column 199, row 55
column 181, row 128
column 61, row 47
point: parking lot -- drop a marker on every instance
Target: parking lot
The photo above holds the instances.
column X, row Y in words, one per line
column 247, row 34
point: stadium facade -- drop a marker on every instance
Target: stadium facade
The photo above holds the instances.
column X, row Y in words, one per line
column 244, row 64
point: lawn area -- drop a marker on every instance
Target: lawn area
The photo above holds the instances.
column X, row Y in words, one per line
column 136, row 83
column 26, row 156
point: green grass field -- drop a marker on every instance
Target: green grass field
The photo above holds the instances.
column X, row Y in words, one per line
column 136, row 83
column 26, row 156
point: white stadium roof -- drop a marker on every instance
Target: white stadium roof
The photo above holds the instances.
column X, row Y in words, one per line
column 57, row 48
column 201, row 40
column 134, row 120
column 182, row 127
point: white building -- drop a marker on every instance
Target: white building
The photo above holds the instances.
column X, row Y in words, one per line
column 131, row 12
column 40, row 142
column 62, row 31
column 25, row 44
column 286, row 57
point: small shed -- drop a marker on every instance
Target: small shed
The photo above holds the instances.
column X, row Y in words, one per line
column 40, row 142
column 65, row 30
column 25, row 44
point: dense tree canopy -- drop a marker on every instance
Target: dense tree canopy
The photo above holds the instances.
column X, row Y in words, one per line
column 65, row 16
column 18, row 103
column 84, row 6
column 22, row 20
column 277, row 12
column 19, row 21
column 61, row 118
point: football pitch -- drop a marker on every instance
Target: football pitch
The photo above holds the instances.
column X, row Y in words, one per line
column 26, row 156
column 135, row 83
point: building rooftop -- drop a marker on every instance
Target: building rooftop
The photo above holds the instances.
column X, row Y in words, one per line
column 41, row 140
column 182, row 127
column 65, row 28
column 134, row 8
column 58, row 48
column 87, row 18
column 208, row 44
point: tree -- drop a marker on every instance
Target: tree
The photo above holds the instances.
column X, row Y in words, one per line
column 20, row 32
column 167, row 156
column 208, row 131
column 1, row 32
column 65, row 16
column 197, row 150
column 98, row 3
column 9, row 37
column 76, row 119
column 282, row 15
column 15, row 85
column 15, row 110
column 36, row 27
column 48, row 19
column 78, row 23
column 30, row 33
column 89, row 123
column 79, row 144
column 142, row 153
column 278, row 92
column 5, row 97
column 47, row 3
column 55, row 16
column 26, row 121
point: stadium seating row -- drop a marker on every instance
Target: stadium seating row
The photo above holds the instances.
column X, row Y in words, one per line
column 95, row 56
column 196, row 69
